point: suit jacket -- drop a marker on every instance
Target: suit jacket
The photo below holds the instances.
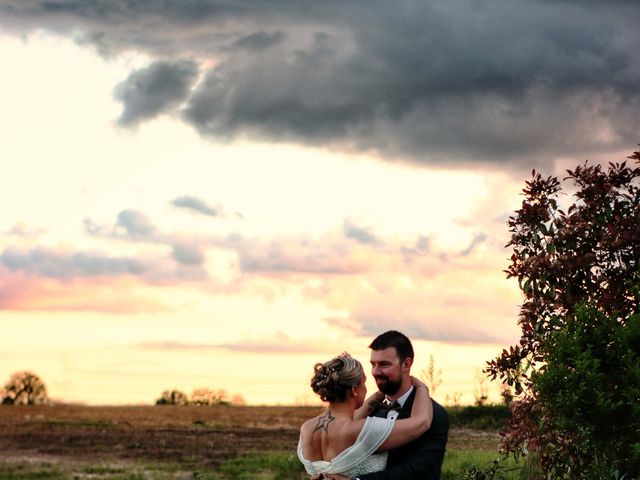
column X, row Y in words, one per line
column 422, row 458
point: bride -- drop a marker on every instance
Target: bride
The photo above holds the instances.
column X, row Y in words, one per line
column 344, row 440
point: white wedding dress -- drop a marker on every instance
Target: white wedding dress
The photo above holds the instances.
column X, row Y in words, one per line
column 359, row 458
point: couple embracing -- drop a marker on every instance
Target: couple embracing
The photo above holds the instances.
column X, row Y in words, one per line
column 398, row 433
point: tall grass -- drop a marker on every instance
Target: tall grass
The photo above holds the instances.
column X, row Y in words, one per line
column 468, row 464
column 484, row 417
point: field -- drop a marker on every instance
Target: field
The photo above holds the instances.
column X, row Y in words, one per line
column 174, row 442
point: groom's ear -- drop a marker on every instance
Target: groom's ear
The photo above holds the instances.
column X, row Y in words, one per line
column 407, row 363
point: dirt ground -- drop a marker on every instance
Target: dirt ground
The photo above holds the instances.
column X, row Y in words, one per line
column 193, row 436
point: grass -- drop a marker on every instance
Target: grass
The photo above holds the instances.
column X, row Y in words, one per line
column 27, row 472
column 30, row 471
column 261, row 466
column 255, row 466
column 286, row 467
column 76, row 423
column 460, row 462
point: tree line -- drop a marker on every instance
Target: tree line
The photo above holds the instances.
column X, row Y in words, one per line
column 200, row 396
column 27, row 388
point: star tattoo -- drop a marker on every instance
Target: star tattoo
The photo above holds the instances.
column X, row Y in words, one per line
column 324, row 421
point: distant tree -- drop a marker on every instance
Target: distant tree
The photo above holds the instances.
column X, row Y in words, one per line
column 207, row 396
column 24, row 388
column 480, row 393
column 453, row 400
column 575, row 368
column 432, row 376
column 172, row 397
column 238, row 399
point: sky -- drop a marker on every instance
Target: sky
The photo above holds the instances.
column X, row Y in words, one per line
column 220, row 194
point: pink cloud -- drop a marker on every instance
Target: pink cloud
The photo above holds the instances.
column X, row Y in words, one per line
column 279, row 343
column 22, row 292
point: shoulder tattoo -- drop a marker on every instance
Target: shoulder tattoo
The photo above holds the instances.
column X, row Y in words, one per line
column 324, row 421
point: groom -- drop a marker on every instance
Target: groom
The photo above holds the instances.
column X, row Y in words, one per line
column 421, row 459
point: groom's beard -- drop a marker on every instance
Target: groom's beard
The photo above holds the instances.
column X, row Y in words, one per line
column 388, row 386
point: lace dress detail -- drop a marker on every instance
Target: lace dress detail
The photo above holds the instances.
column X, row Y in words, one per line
column 376, row 462
column 359, row 458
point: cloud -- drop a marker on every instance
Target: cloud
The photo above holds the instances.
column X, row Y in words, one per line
column 135, row 223
column 513, row 83
column 349, row 250
column 259, row 41
column 435, row 330
column 327, row 254
column 266, row 347
column 69, row 265
column 436, row 297
column 294, row 255
column 330, row 254
column 22, row 291
column 66, row 265
column 130, row 224
column 173, row 345
column 197, row 205
column 369, row 282
column 360, row 234
column 434, row 314
column 156, row 89
column 279, row 343
column 421, row 248
column 22, row 230
column 188, row 254
column 478, row 239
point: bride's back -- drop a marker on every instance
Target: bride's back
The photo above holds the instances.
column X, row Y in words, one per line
column 319, row 442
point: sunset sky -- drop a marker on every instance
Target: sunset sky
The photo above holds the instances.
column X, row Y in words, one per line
column 221, row 193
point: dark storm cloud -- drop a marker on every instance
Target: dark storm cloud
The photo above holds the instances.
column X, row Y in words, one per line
column 196, row 204
column 259, row 41
column 469, row 81
column 158, row 88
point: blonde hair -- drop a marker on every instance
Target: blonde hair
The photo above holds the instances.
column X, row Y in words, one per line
column 333, row 379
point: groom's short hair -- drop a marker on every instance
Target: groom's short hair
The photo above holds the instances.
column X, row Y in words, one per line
column 394, row 339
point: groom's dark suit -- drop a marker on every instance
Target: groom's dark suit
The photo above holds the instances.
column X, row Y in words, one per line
column 422, row 458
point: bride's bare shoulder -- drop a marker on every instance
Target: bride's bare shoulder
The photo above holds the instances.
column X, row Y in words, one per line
column 307, row 427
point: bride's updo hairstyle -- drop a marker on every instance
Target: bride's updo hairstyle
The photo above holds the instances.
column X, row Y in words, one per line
column 333, row 379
